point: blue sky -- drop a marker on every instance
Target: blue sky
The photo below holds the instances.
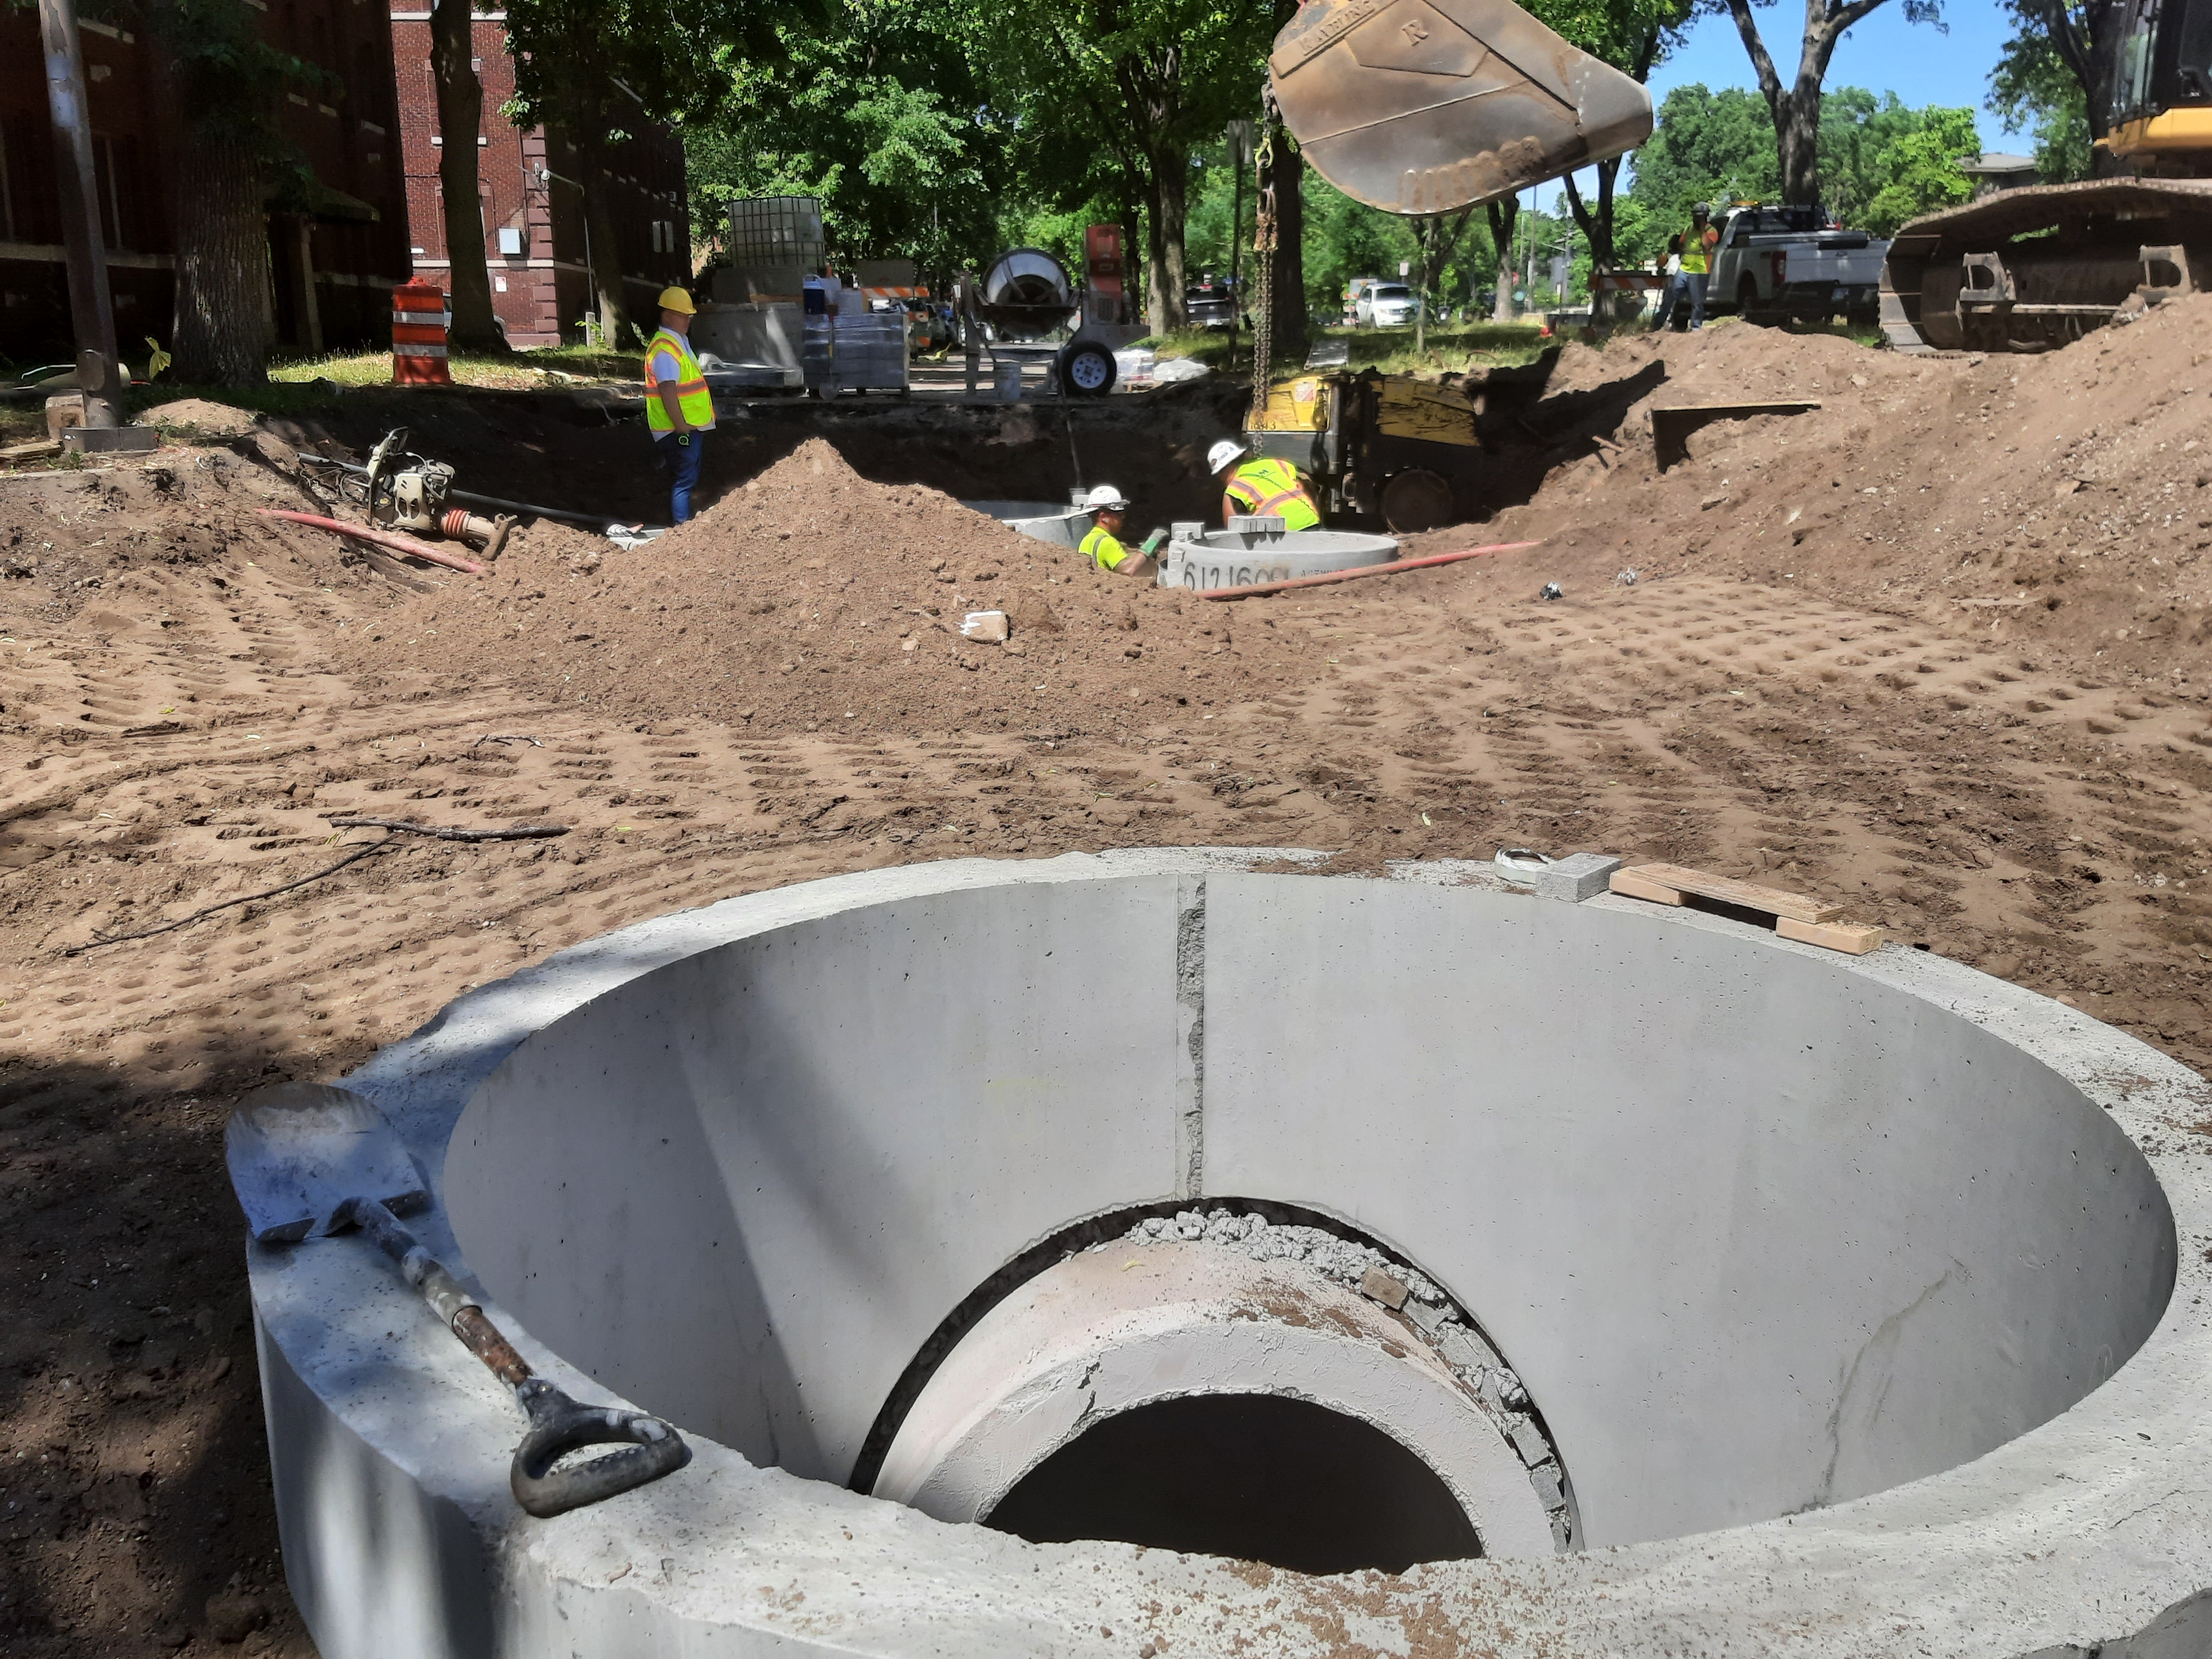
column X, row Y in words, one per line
column 1882, row 53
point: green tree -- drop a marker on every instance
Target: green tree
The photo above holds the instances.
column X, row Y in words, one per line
column 1706, row 146
column 1633, row 36
column 228, row 83
column 1149, row 80
column 1920, row 171
column 1796, row 107
column 878, row 115
column 596, row 70
column 1347, row 240
column 2052, row 78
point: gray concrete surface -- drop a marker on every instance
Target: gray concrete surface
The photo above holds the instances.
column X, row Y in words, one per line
column 1234, row 558
column 1765, row 1230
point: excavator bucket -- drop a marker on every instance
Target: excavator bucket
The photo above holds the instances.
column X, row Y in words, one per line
column 1421, row 107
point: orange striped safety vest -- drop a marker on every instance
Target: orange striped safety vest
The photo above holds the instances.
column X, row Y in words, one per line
column 1272, row 489
column 691, row 393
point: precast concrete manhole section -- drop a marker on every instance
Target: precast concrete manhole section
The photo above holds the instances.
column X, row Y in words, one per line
column 1169, row 1253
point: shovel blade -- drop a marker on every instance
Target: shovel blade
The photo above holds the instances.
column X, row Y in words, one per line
column 299, row 1151
column 1423, row 107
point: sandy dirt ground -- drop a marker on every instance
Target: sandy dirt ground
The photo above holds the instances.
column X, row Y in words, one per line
column 1935, row 650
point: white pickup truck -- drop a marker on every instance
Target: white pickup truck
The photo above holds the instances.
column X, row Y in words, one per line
column 1778, row 262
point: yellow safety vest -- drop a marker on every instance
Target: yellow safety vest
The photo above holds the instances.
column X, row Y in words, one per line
column 1693, row 251
column 1272, row 489
column 1103, row 551
column 691, row 394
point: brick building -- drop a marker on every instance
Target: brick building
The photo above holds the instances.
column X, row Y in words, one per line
column 337, row 242
column 533, row 211
column 370, row 212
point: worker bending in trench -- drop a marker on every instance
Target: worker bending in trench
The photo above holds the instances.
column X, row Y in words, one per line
column 1102, row 543
column 1263, row 488
column 679, row 407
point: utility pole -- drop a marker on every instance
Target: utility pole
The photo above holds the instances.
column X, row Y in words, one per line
column 92, row 309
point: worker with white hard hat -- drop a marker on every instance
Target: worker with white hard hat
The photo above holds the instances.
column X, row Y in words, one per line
column 1263, row 488
column 1101, row 543
column 679, row 409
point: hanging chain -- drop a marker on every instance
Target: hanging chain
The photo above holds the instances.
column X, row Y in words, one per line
column 1263, row 260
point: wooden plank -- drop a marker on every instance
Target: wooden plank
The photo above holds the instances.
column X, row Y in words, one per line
column 1848, row 937
column 1740, row 411
column 1743, row 894
column 1629, row 884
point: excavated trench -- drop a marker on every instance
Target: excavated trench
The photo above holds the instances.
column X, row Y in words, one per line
column 1327, row 1223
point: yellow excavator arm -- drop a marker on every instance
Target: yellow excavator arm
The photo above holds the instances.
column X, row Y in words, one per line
column 1422, row 106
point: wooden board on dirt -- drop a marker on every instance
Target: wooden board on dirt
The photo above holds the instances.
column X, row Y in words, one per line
column 1723, row 890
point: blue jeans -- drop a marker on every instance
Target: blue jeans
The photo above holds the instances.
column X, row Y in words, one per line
column 1669, row 296
column 682, row 459
column 1695, row 281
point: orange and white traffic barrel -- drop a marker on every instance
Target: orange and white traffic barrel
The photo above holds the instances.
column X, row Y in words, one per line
column 418, row 334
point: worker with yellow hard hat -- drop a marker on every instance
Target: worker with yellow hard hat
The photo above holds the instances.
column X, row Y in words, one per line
column 1261, row 488
column 679, row 407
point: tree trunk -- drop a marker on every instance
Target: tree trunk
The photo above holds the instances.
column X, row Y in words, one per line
column 460, row 113
column 615, row 326
column 1287, row 320
column 1797, row 136
column 1503, row 215
column 1163, row 232
column 2088, row 51
column 222, row 323
column 1596, row 223
column 1796, row 109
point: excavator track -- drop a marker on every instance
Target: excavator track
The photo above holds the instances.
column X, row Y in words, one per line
column 2030, row 270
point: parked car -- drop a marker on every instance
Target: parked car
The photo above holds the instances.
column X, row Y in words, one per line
column 1354, row 293
column 1775, row 264
column 1388, row 304
column 1211, row 303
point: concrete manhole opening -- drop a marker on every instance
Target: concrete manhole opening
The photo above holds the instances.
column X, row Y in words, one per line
column 1327, row 1222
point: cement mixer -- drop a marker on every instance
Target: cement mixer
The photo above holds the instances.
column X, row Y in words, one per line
column 1027, row 297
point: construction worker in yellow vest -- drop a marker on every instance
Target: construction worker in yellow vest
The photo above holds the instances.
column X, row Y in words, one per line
column 1102, row 543
column 679, row 407
column 1263, row 488
column 1698, row 245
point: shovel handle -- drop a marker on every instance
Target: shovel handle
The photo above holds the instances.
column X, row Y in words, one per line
column 558, row 1425
column 440, row 1290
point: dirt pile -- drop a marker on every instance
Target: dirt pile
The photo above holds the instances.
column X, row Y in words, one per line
column 2063, row 499
column 811, row 598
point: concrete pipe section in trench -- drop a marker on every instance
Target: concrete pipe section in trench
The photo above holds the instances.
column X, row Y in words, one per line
column 1560, row 1277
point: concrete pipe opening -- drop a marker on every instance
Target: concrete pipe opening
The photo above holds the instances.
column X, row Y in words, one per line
column 1252, row 1477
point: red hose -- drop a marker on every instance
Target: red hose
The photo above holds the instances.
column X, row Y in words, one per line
column 384, row 538
column 1358, row 571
